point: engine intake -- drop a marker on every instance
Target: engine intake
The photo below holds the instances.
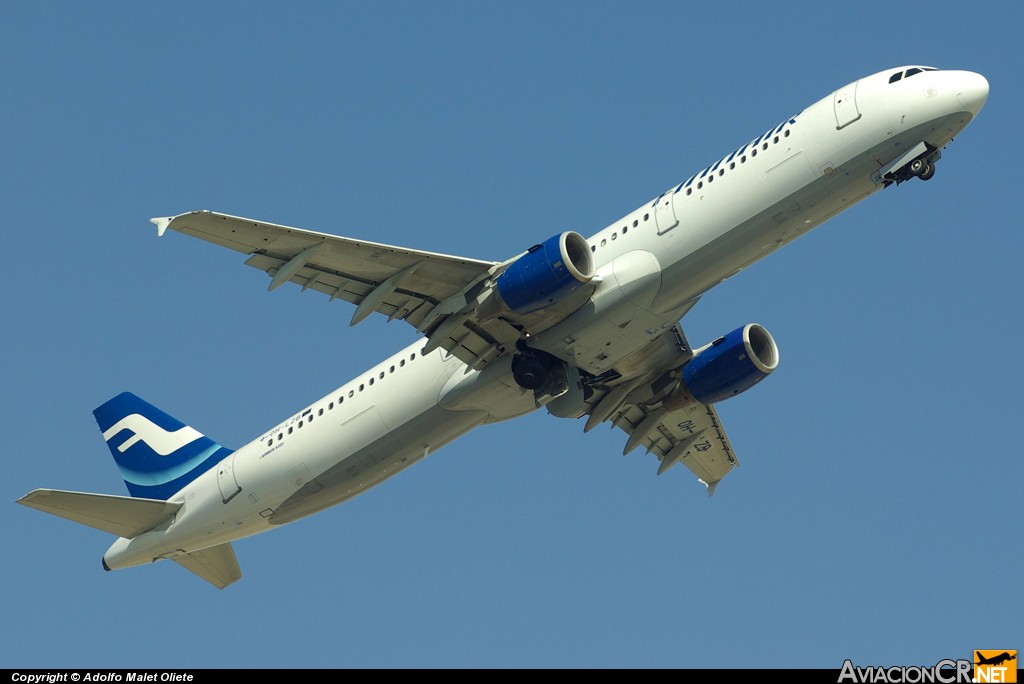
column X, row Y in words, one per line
column 547, row 273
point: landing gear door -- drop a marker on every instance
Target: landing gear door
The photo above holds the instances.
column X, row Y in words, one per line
column 665, row 212
column 229, row 486
column 845, row 104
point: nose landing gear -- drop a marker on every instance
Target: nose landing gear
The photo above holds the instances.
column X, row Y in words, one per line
column 917, row 162
column 922, row 168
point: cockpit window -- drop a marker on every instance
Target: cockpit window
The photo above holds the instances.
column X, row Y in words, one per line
column 913, row 71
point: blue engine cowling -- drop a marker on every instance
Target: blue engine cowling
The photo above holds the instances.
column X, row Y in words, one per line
column 547, row 273
column 731, row 364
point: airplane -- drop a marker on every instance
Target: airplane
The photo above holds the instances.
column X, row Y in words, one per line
column 994, row 660
column 584, row 327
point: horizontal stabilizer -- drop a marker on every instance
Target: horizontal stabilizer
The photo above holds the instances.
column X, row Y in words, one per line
column 123, row 516
column 217, row 565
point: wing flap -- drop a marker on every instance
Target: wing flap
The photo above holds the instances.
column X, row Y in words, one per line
column 123, row 516
column 337, row 285
column 692, row 435
column 217, row 565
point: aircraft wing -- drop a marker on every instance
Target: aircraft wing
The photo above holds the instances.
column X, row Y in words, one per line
column 432, row 292
column 692, row 435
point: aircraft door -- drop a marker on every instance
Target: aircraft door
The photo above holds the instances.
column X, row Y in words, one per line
column 665, row 212
column 845, row 104
column 229, row 486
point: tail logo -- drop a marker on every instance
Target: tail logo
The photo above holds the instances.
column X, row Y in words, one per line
column 155, row 437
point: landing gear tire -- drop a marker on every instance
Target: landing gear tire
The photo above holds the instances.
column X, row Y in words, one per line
column 918, row 167
column 928, row 172
column 529, row 372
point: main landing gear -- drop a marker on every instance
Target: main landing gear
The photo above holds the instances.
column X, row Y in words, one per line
column 537, row 370
column 555, row 384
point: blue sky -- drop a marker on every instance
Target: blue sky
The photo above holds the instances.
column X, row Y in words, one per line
column 874, row 517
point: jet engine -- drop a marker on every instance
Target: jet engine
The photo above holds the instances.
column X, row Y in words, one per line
column 728, row 366
column 547, row 273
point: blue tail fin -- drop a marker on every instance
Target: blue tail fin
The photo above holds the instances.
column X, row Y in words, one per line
column 157, row 454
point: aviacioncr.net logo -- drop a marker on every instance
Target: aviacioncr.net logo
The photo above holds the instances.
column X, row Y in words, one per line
column 943, row 672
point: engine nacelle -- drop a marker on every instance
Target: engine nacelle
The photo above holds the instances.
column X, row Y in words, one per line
column 728, row 366
column 547, row 273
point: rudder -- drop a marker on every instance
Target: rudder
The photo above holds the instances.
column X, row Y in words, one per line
column 156, row 453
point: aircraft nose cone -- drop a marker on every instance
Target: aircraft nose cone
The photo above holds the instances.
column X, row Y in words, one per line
column 973, row 91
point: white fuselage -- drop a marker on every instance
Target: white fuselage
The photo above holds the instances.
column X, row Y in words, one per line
column 652, row 265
